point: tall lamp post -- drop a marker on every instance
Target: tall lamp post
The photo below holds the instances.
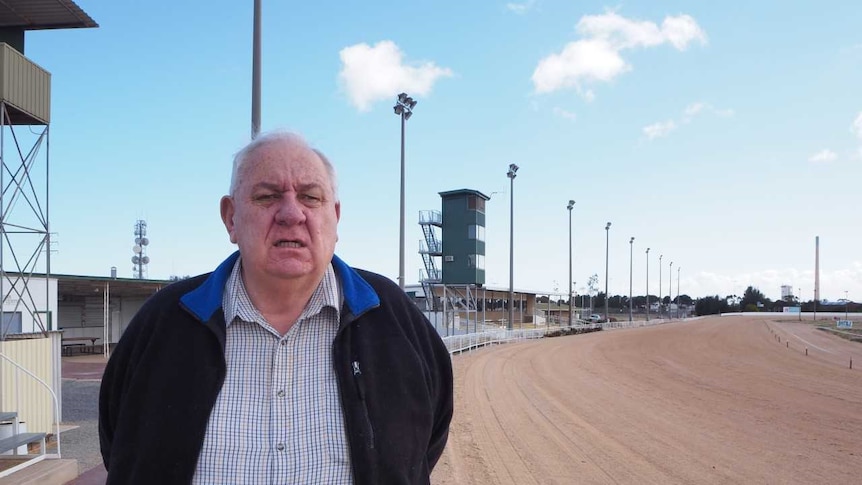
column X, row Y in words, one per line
column 404, row 108
column 669, row 288
column 647, row 284
column 677, row 290
column 570, row 207
column 513, row 169
column 607, row 251
column 631, row 273
column 846, row 305
column 255, row 72
column 659, row 285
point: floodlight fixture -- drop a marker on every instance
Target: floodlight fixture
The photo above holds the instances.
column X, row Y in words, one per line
column 513, row 169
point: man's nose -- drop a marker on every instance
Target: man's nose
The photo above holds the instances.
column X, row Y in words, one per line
column 289, row 211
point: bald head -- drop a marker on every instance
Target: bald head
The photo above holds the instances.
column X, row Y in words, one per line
column 277, row 138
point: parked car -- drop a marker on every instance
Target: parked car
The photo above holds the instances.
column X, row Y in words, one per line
column 596, row 318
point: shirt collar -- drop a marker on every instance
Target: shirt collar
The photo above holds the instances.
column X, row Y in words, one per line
column 237, row 303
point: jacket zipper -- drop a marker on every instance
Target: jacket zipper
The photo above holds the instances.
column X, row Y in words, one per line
column 360, row 389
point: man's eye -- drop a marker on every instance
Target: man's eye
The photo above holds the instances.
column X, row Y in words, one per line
column 309, row 198
column 265, row 197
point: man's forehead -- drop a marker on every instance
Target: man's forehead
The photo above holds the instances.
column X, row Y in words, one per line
column 291, row 153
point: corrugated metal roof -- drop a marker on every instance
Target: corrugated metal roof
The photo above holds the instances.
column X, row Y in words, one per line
column 43, row 14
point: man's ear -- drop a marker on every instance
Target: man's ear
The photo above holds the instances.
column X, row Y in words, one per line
column 337, row 217
column 227, row 212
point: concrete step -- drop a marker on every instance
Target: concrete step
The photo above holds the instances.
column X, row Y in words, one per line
column 45, row 472
column 7, row 416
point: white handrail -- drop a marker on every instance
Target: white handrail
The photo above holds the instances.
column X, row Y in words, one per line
column 468, row 341
column 46, row 386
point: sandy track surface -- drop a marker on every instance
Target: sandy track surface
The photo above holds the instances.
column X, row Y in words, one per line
column 717, row 400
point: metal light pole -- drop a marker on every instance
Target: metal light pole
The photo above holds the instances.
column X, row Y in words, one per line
column 513, row 169
column 403, row 108
column 255, row 73
column 846, row 305
column 631, row 269
column 570, row 207
column 607, row 251
column 677, row 290
column 669, row 289
column 659, row 285
column 647, row 284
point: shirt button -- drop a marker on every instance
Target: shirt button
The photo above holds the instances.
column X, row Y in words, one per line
column 284, row 342
column 280, row 393
column 280, row 447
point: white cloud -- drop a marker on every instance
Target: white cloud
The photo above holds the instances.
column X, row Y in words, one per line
column 373, row 73
column 584, row 60
column 856, row 127
column 596, row 57
column 689, row 113
column 660, row 129
column 681, row 30
column 694, row 108
column 564, row 114
column 521, row 8
column 699, row 107
column 823, row 156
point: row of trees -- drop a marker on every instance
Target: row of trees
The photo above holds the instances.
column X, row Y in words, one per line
column 753, row 300
column 617, row 301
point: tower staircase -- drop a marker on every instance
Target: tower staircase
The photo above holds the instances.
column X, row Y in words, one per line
column 430, row 249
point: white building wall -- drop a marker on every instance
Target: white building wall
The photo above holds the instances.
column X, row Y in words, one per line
column 40, row 297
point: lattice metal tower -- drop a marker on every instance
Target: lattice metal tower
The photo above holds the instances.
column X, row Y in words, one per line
column 25, row 112
column 140, row 258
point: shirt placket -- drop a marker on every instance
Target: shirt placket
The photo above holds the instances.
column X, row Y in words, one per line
column 283, row 370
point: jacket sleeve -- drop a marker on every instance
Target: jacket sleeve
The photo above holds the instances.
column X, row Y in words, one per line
column 114, row 384
column 109, row 398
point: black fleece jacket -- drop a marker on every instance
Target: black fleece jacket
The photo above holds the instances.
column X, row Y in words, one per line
column 160, row 385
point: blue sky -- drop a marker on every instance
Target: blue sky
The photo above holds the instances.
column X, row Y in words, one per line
column 725, row 137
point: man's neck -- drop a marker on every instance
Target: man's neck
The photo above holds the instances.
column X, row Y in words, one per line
column 279, row 300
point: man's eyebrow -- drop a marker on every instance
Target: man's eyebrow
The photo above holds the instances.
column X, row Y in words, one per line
column 309, row 186
column 279, row 188
column 267, row 186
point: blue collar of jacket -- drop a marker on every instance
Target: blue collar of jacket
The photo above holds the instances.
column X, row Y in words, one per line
column 204, row 300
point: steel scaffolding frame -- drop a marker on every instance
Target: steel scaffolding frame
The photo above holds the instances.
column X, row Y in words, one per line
column 24, row 227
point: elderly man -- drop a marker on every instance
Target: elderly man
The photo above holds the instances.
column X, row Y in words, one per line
column 284, row 365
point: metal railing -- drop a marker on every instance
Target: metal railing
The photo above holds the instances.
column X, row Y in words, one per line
column 465, row 342
column 434, row 246
column 430, row 217
column 469, row 341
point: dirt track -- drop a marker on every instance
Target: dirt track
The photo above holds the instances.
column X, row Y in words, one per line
column 718, row 400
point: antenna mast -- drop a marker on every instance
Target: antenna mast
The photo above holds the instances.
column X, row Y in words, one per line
column 140, row 258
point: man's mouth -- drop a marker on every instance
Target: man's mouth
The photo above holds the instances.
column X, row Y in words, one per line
column 289, row 244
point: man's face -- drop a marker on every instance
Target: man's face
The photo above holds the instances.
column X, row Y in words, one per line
column 284, row 215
